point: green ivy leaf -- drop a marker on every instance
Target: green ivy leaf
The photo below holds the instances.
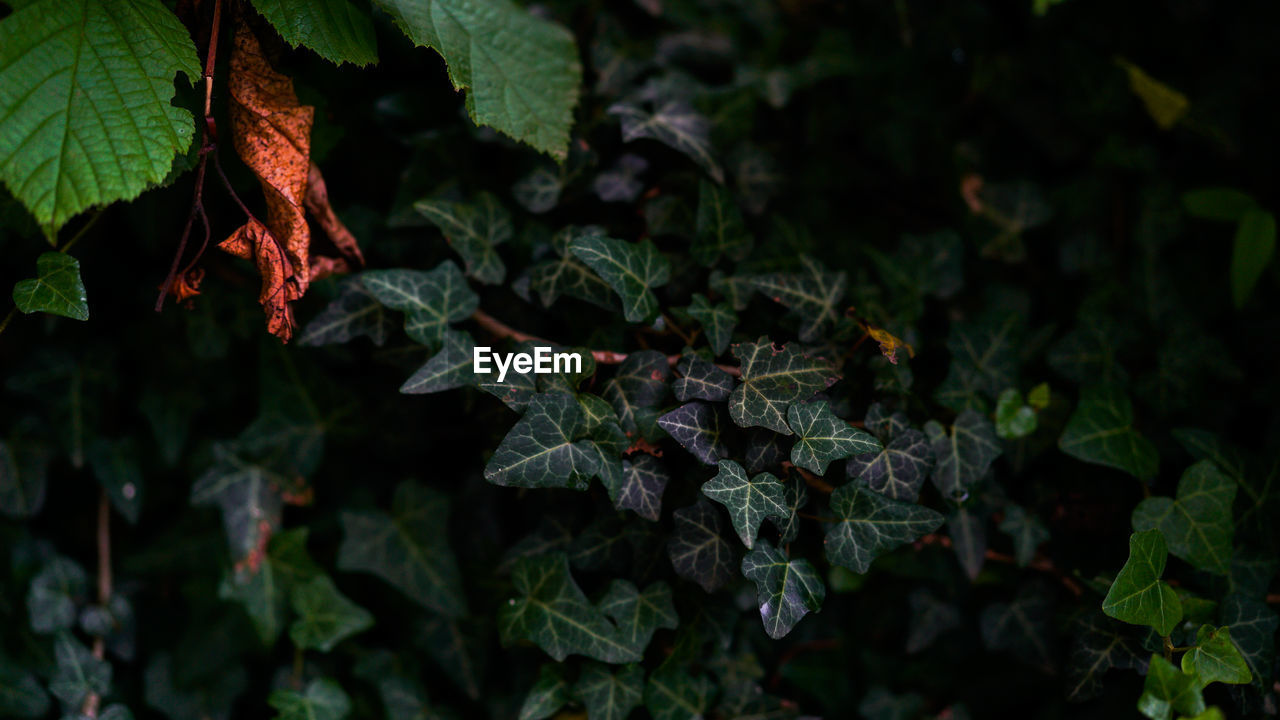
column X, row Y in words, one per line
column 701, row 380
column 609, row 695
column 822, row 437
column 1167, row 689
column 86, row 107
column 720, row 228
column 54, row 594
column 1027, row 531
column 326, row 617
column 675, row 124
column 697, row 549
column 452, row 367
column 631, row 269
column 639, row 486
column 457, row 650
column 1099, row 646
column 115, row 465
column 773, row 378
column 521, row 72
column 1217, row 203
column 540, row 190
column 1138, row 596
column 786, row 590
column 1197, row 524
column 57, row 288
column 986, row 349
column 567, row 275
column 547, row 696
column 899, row 469
column 639, row 385
column 337, row 30
column 353, row 313
column 540, row 450
column 871, row 525
column 964, row 454
column 1014, row 419
column 323, row 699
column 696, row 426
column 1215, row 658
column 718, row 321
column 1255, row 243
column 673, row 694
column 812, row 295
column 1022, row 627
column 1253, row 631
column 930, row 617
column 639, row 614
column 748, row 500
column 247, row 493
column 1101, row 431
column 429, row 300
column 78, row 672
column 264, row 591
column 474, row 230
column 552, row 613
column 408, row 548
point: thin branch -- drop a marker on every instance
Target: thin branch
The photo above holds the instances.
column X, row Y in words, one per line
column 92, row 700
column 1039, row 562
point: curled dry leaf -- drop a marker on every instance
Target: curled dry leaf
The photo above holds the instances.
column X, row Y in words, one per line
column 889, row 343
column 187, row 285
column 327, row 219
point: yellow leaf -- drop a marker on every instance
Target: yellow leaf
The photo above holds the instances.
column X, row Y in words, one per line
column 1164, row 104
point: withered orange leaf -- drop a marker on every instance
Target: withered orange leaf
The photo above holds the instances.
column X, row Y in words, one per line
column 186, row 285
column 889, row 343
column 254, row 241
column 327, row 219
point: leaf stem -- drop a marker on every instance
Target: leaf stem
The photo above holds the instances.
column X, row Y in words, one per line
column 92, row 700
column 8, row 317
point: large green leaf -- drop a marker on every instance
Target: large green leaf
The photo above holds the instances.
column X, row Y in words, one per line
column 963, row 453
column 870, row 525
column 639, row 614
column 1167, row 689
column 326, row 617
column 85, row 111
column 674, row 123
column 474, row 230
column 429, row 300
column 323, row 699
column 57, row 288
column 520, row 71
column 822, row 437
column 748, row 500
column 898, row 470
column 697, row 427
column 552, row 613
column 673, row 694
column 247, row 493
column 639, row 385
column 773, row 378
column 1100, row 644
column 541, row 449
column 812, row 295
column 1197, row 524
column 1101, row 431
column 408, row 548
column 337, row 30
column 718, row 321
column 1138, row 595
column 1253, row 632
column 786, row 589
column 1255, row 244
column 697, row 548
column 1214, row 658
column 609, row 695
column 631, row 269
column 720, row 228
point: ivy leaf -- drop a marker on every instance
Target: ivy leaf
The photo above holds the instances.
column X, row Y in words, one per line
column 539, row 191
column 353, row 313
column 336, row 30
column 821, row 437
column 813, row 295
column 87, row 103
column 1101, row 431
column 1255, row 244
column 520, row 71
column 115, row 465
column 457, row 650
column 264, row 590
column 540, row 450
column 899, row 469
column 701, row 380
column 1253, row 631
column 57, row 288
column 54, row 593
column 249, row 496
column 797, row 496
column 717, row 321
column 631, row 269
column 885, row 425
column 774, row 377
column 968, row 534
column 1098, row 647
column 639, row 614
column 1027, row 531
column 963, row 454
column 871, row 525
column 567, row 275
column 640, row 487
column 786, row 590
column 326, row 617
column 474, row 230
column 1197, row 524
column 1014, row 419
column 409, row 548
column 749, row 501
column 696, row 426
column 452, row 367
column 1215, row 658
column 322, row 700
column 639, row 385
column 1167, row 689
column 930, row 617
column 986, row 348
column 609, row 695
column 1138, row 596
column 1021, row 627
column 552, row 613
column 78, row 672
column 429, row 300
column 673, row 694
column 720, row 228
column 675, row 124
column 547, row 696
column 697, row 549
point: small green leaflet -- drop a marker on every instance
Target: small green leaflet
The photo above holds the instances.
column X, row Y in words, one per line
column 701, row 380
column 474, row 230
column 812, row 295
column 78, row 671
column 1101, row 431
column 54, row 594
column 822, row 437
column 673, row 694
column 1255, row 244
column 1013, row 418
column 353, row 313
column 521, row 72
column 429, row 300
column 87, row 103
column 409, row 548
column 323, row 699
column 697, row 549
column 57, row 288
column 1217, row 203
column 325, row 616
column 897, row 471
column 609, row 695
column 748, row 500
column 337, row 30
column 786, row 590
column 718, row 321
column 871, row 525
column 774, row 377
column 547, row 696
column 963, row 455
column 631, row 269
column 450, row 368
column 541, row 450
column 696, row 426
column 639, row 614
column 674, row 123
column 720, row 228
column 640, row 487
column 552, row 613
column 539, row 191
column 1197, row 525
column 567, row 275
column 1138, row 595
column 1215, row 658
column 1167, row 689
column 1027, row 531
